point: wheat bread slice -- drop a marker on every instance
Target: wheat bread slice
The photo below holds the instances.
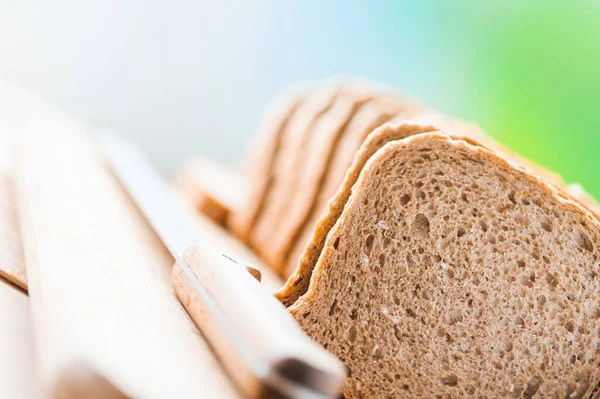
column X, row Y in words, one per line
column 297, row 284
column 367, row 118
column 259, row 169
column 288, row 160
column 424, row 121
column 453, row 273
column 214, row 189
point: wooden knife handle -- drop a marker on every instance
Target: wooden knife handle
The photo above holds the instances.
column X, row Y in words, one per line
column 255, row 337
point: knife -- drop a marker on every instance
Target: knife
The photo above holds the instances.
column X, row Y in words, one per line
column 258, row 342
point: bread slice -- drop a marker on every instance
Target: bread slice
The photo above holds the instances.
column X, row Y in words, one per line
column 287, row 164
column 453, row 273
column 298, row 282
column 214, row 189
column 364, row 121
column 259, row 171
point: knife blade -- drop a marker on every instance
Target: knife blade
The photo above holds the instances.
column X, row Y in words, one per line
column 261, row 346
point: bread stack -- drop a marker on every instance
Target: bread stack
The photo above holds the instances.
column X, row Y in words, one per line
column 431, row 261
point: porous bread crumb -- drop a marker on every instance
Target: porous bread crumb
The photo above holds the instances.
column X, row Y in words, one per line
column 482, row 298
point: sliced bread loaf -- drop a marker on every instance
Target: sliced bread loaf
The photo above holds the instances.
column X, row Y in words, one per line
column 294, row 138
column 259, row 170
column 364, row 121
column 311, row 167
column 453, row 273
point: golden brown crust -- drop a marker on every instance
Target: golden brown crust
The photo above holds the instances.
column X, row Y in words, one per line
column 472, row 130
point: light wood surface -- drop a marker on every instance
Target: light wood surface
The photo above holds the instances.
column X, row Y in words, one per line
column 12, row 267
column 18, row 373
column 107, row 323
column 18, row 368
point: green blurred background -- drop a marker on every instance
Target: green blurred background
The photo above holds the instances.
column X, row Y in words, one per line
column 193, row 76
column 527, row 72
column 536, row 82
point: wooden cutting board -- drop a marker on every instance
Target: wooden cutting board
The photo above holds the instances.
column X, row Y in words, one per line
column 107, row 323
column 12, row 267
column 18, row 372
